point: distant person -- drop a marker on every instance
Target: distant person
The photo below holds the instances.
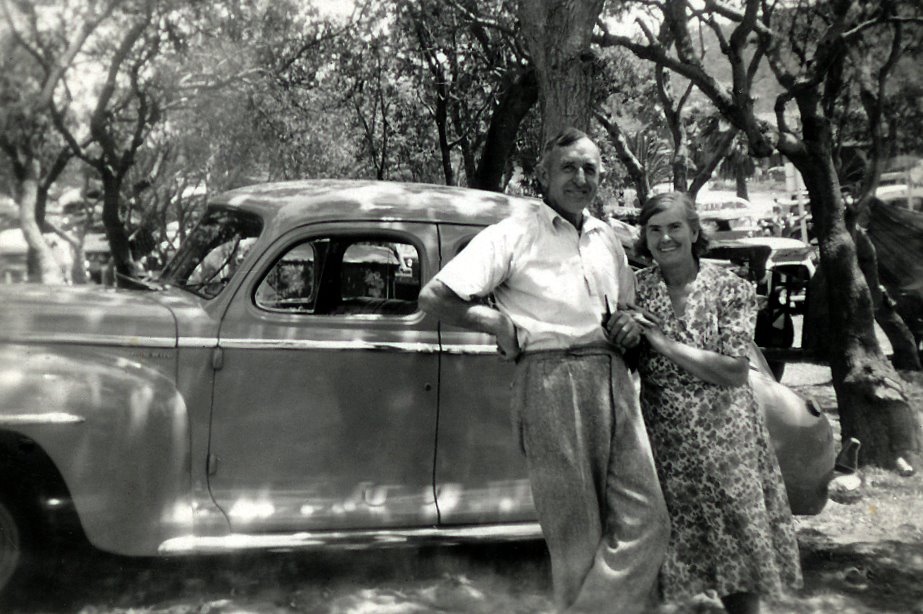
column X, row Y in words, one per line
column 775, row 225
column 732, row 528
column 554, row 271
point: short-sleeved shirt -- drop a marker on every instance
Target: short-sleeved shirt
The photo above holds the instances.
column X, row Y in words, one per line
column 551, row 280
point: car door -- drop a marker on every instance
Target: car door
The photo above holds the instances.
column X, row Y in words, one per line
column 324, row 411
column 480, row 472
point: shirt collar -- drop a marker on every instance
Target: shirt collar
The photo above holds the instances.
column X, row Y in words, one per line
column 590, row 223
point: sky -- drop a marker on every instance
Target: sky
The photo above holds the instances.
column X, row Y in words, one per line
column 335, row 8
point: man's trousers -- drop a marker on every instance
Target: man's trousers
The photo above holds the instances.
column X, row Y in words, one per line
column 593, row 480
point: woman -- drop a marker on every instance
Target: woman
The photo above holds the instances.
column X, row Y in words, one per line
column 731, row 523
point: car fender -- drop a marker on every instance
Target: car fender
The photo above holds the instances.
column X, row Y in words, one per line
column 116, row 430
column 803, row 441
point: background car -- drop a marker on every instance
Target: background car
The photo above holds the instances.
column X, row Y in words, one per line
column 280, row 388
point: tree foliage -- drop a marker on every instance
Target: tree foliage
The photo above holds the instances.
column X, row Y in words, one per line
column 808, row 47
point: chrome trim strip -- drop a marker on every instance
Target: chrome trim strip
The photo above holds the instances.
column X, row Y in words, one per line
column 40, row 419
column 189, row 544
column 461, row 348
column 210, row 342
column 93, row 339
column 197, row 342
column 308, row 344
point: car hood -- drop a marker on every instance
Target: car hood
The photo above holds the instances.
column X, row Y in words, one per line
column 88, row 314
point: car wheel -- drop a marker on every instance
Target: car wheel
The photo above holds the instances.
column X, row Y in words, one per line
column 18, row 542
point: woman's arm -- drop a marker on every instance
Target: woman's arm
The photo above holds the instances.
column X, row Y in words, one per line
column 706, row 365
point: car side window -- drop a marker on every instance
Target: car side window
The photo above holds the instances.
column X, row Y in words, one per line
column 289, row 286
column 343, row 275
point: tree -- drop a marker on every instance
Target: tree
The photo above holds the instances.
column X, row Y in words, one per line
column 806, row 45
column 696, row 144
column 558, row 34
column 477, row 83
column 34, row 64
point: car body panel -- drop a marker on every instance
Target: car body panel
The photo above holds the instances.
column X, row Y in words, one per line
column 88, row 315
column 116, row 430
column 480, row 474
column 302, row 444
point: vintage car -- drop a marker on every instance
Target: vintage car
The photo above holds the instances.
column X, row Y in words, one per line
column 278, row 387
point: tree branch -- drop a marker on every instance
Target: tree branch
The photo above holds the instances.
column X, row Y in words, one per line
column 626, row 156
column 100, row 113
column 73, row 48
column 854, row 33
column 748, row 18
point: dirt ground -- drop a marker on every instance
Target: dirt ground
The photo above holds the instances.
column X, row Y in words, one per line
column 866, row 557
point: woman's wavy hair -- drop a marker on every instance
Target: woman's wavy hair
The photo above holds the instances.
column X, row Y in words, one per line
column 660, row 203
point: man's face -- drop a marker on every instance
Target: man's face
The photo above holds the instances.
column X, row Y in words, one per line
column 570, row 177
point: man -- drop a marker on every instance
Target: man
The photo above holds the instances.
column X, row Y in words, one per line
column 554, row 272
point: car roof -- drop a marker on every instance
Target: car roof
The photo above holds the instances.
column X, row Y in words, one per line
column 775, row 242
column 297, row 202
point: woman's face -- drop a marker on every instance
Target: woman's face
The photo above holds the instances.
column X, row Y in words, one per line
column 669, row 236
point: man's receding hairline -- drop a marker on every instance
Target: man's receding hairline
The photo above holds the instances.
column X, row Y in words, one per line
column 566, row 138
column 563, row 138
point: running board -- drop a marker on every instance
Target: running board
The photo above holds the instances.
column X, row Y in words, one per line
column 352, row 540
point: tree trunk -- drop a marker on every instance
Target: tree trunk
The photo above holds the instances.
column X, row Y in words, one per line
column 627, row 157
column 872, row 405
column 115, row 231
column 442, row 127
column 740, row 178
column 905, row 355
column 514, row 104
column 45, row 268
column 680, row 166
column 558, row 34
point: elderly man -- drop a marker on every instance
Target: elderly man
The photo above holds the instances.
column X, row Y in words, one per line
column 554, row 271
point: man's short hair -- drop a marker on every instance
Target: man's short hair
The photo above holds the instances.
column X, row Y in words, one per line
column 563, row 138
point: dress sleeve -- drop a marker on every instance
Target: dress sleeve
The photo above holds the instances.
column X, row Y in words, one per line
column 482, row 265
column 736, row 317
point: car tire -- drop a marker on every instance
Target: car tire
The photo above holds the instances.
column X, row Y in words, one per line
column 20, row 542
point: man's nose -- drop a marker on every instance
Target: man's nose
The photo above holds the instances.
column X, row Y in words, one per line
column 579, row 177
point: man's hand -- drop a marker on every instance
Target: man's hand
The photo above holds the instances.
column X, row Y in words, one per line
column 622, row 330
column 439, row 300
column 507, row 343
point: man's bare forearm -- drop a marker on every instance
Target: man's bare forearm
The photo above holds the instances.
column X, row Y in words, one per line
column 439, row 300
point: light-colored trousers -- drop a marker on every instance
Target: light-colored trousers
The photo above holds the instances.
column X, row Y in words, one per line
column 593, row 480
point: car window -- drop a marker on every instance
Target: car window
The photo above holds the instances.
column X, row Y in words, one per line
column 352, row 275
column 213, row 252
column 290, row 283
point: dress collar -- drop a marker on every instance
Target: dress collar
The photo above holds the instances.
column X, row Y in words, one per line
column 655, row 268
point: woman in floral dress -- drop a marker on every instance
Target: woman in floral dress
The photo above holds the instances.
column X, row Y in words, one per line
column 731, row 523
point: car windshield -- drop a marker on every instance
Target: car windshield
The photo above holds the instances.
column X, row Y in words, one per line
column 213, row 251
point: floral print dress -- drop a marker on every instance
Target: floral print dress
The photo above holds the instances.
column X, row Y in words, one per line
column 731, row 522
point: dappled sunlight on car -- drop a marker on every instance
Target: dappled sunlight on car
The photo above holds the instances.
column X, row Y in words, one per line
column 282, row 389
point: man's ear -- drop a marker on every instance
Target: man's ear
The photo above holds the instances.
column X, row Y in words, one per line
column 541, row 173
